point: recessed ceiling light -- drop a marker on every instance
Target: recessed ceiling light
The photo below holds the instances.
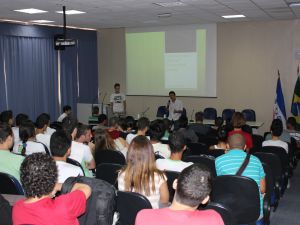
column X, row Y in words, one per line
column 71, row 12
column 294, row 4
column 233, row 16
column 30, row 11
column 41, row 21
column 170, row 4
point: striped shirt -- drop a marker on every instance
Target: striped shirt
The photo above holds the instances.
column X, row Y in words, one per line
column 229, row 164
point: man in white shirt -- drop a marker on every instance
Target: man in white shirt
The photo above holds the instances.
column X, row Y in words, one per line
column 60, row 146
column 118, row 101
column 41, row 124
column 67, row 110
column 276, row 131
column 177, row 147
column 175, row 107
column 142, row 126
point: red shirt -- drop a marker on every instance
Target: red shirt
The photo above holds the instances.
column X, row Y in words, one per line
column 247, row 136
column 62, row 210
column 115, row 134
column 167, row 216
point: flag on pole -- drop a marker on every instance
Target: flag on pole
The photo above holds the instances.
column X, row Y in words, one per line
column 295, row 108
column 279, row 106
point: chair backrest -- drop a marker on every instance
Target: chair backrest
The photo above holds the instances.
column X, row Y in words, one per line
column 10, row 185
column 75, row 163
column 269, row 190
column 238, row 193
column 109, row 156
column 273, row 161
column 208, row 161
column 207, row 139
column 108, row 172
column 257, row 141
column 161, row 111
column 56, row 125
column 281, row 153
column 171, row 175
column 216, row 152
column 197, row 148
column 129, row 204
column 225, row 212
column 227, row 114
column 209, row 113
column 249, row 114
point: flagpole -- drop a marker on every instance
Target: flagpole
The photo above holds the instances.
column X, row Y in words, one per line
column 278, row 73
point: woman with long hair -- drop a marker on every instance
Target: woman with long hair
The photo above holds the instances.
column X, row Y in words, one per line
column 141, row 175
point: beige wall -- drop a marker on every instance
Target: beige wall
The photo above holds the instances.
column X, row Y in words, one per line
column 248, row 53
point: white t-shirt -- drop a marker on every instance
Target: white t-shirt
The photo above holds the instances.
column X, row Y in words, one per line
column 172, row 165
column 130, row 137
column 162, row 149
column 118, row 102
column 176, row 105
column 66, row 170
column 81, row 152
column 121, row 147
column 61, row 117
column 277, row 143
column 44, row 138
column 154, row 196
column 31, row 147
column 49, row 131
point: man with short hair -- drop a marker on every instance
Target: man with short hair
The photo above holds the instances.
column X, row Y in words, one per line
column 48, row 130
column 142, row 126
column 174, row 106
column 38, row 178
column 291, row 129
column 189, row 134
column 7, row 117
column 118, row 101
column 67, row 111
column 192, row 189
column 102, row 122
column 41, row 124
column 174, row 163
column 229, row 164
column 60, row 145
column 198, row 127
column 9, row 163
column 81, row 150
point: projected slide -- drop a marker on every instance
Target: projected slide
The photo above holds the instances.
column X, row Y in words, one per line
column 174, row 59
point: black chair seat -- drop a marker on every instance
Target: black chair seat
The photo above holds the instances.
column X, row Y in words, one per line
column 171, row 175
column 197, row 148
column 10, row 185
column 109, row 156
column 108, row 172
column 208, row 161
column 225, row 212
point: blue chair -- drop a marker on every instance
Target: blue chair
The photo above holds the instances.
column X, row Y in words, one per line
column 249, row 114
column 227, row 114
column 183, row 112
column 10, row 185
column 161, row 111
column 210, row 113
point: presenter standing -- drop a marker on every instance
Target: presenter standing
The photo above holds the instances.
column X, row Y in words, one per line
column 118, row 101
column 174, row 107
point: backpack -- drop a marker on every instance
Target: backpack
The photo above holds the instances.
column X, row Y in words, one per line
column 100, row 206
column 5, row 212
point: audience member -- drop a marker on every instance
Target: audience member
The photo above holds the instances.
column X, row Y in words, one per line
column 276, row 131
column 291, row 129
column 7, row 117
column 60, row 145
column 122, row 127
column 168, row 126
column 142, row 128
column 174, row 107
column 118, row 101
column 48, row 130
column 222, row 139
column 28, row 144
column 229, row 164
column 102, row 122
column 38, row 178
column 9, row 163
column 198, row 127
column 95, row 111
column 141, row 175
column 67, row 111
column 130, row 124
column 192, row 189
column 156, row 132
column 41, row 126
column 113, row 129
column 174, row 163
column 238, row 121
column 19, row 119
column 189, row 135
column 69, row 125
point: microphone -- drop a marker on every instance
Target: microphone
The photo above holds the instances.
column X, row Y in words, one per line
column 143, row 113
column 191, row 120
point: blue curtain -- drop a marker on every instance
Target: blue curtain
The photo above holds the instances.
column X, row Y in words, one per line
column 88, row 71
column 2, row 78
column 68, row 78
column 31, row 68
